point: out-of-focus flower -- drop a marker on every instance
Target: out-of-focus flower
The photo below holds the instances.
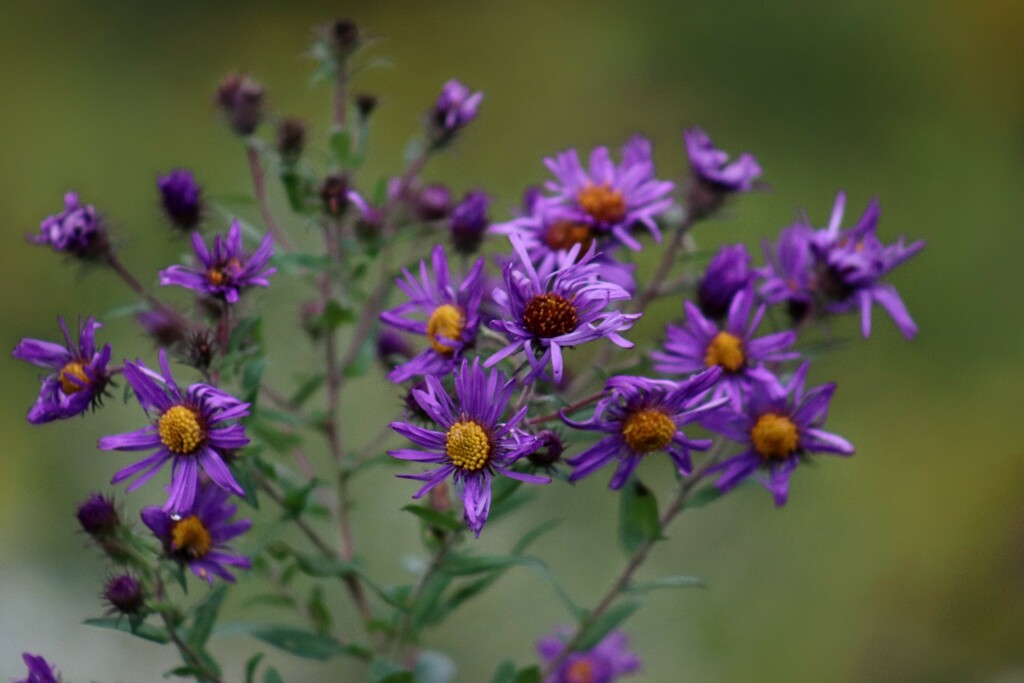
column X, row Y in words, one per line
column 124, row 594
column 181, row 198
column 604, row 663
column 227, row 270
column 98, row 516
column 456, row 106
column 39, row 670
column 469, row 222
column 78, row 377
column 727, row 274
column 241, row 100
column 711, row 165
column 432, row 202
column 77, row 230
column 291, row 138
column 475, row 444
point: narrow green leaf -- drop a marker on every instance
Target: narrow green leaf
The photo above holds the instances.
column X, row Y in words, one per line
column 271, row 676
column 386, row 670
column 149, row 632
column 252, row 375
column 666, row 582
column 307, row 389
column 605, row 623
column 506, row 673
column 638, row 517
column 704, row 496
column 442, row 520
column 296, row 641
column 318, row 611
column 528, row 675
column 205, row 617
column 251, row 665
column 533, row 534
column 467, row 565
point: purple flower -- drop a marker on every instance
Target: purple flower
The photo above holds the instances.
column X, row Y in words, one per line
column 39, row 671
column 452, row 316
column 727, row 273
column 474, row 445
column 642, row 416
column 77, row 230
column 180, row 195
column 837, row 271
column 124, row 594
column 699, row 343
column 456, row 106
column 469, row 222
column 545, row 312
column 198, row 536
column 610, row 199
column 779, row 426
column 432, row 202
column 79, row 372
column 98, row 516
column 227, row 270
column 241, row 100
column 189, row 430
column 606, row 662
column 711, row 165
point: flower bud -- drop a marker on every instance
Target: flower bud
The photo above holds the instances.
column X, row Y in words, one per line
column 433, row 202
column 343, row 38
column 334, row 193
column 124, row 593
column 241, row 100
column 456, row 106
column 366, row 104
column 180, row 196
column 727, row 273
column 392, row 348
column 165, row 329
column 469, row 222
column 291, row 139
column 98, row 516
column 550, row 450
column 77, row 230
column 201, row 348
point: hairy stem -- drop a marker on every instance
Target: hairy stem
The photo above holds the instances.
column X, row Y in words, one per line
column 260, row 189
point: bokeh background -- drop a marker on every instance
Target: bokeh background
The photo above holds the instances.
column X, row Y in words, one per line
column 905, row 562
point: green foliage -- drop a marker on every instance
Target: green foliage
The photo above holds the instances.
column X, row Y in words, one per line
column 299, row 642
column 638, row 517
column 155, row 634
column 604, row 624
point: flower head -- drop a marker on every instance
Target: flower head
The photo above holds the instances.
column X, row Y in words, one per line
column 699, row 343
column 39, row 670
column 77, row 230
column 711, row 165
column 193, row 429
column 834, row 271
column 198, row 535
column 124, row 594
column 451, row 312
column 779, row 426
column 456, row 106
column 604, row 663
column 475, row 444
column 469, row 222
column 546, row 311
column 225, row 271
column 727, row 274
column 180, row 195
column 642, row 416
column 78, row 372
column 98, row 516
column 241, row 100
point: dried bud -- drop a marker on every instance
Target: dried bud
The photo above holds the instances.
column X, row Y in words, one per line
column 469, row 222
column 180, row 197
column 365, row 104
column 291, row 139
column 334, row 193
column 550, row 450
column 392, row 348
column 433, row 202
column 124, row 593
column 343, row 37
column 98, row 516
column 201, row 348
column 241, row 100
column 164, row 328
column 413, row 409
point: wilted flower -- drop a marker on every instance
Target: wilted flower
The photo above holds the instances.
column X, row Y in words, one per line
column 779, row 425
column 452, row 314
column 728, row 273
column 77, row 230
column 39, row 670
column 79, row 372
column 642, row 416
column 475, row 444
column 180, row 196
column 189, row 430
column 227, row 270
column 199, row 534
column 604, row 663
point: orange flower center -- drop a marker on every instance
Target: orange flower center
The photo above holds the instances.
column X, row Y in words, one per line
column 602, row 202
column 775, row 436
column 550, row 315
column 566, row 234
column 580, row 671
column 76, row 370
column 648, row 430
column 191, row 537
column 725, row 350
column 444, row 327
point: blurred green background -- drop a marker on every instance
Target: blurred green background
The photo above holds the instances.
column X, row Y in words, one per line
column 905, row 562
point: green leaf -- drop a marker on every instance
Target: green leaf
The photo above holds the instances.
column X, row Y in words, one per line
column 282, row 442
column 506, row 673
column 530, row 674
column 363, row 360
column 433, row 667
column 247, row 332
column 148, row 632
column 666, row 582
column 296, row 501
column 638, row 517
column 385, row 670
column 321, row 567
column 251, row 665
column 298, row 190
column 252, row 375
column 205, row 617
column 605, row 623
column 296, row 641
column 705, row 496
column 341, row 147
column 467, row 565
column 442, row 520
column 307, row 389
column 271, row 676
column 318, row 611
column 242, row 470
column 334, row 316
column 533, row 534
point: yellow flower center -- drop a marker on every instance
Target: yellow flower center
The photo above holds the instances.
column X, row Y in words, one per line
column 444, row 326
column 180, row 430
column 189, row 536
column 648, row 430
column 468, row 446
column 602, row 202
column 550, row 315
column 220, row 274
column 580, row 671
column 75, row 369
column 775, row 436
column 725, row 350
column 567, row 234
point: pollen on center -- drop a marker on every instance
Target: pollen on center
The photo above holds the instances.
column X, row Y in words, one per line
column 567, row 234
column 468, row 445
column 648, row 430
column 726, row 351
column 775, row 436
column 191, row 537
column 180, row 430
column 444, row 326
column 580, row 671
column 75, row 370
column 602, row 202
column 550, row 315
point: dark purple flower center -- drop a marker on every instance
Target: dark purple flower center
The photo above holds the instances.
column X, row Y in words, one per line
column 564, row 235
column 550, row 315
column 604, row 204
column 190, row 538
column 775, row 436
column 648, row 430
column 73, row 378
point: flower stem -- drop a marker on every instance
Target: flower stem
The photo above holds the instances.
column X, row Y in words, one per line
column 259, row 187
column 582, row 403
column 133, row 284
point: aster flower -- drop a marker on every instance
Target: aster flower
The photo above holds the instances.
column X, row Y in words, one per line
column 469, row 222
column 610, row 199
column 190, row 430
column 546, row 312
column 699, row 343
column 728, row 273
column 779, row 426
column 604, row 663
column 475, row 445
column 711, row 165
column 79, row 372
column 39, row 670
column 456, row 106
column 98, row 516
column 198, row 536
column 452, row 316
column 642, row 416
column 225, row 271
column 180, row 196
column 77, row 230
column 432, row 202
column 838, row 271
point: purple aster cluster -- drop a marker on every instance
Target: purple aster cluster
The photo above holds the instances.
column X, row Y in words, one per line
column 77, row 230
column 606, row 662
column 226, row 270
